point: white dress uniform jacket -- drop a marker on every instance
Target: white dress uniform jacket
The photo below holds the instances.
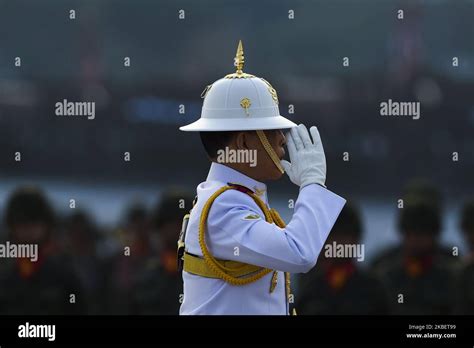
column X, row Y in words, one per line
column 234, row 233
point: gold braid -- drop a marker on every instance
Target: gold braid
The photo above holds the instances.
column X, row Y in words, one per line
column 271, row 216
column 269, row 149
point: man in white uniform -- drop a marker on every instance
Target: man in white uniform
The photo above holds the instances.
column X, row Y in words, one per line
column 236, row 252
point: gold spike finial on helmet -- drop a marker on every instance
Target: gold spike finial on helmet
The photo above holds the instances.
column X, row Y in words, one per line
column 239, row 58
column 239, row 64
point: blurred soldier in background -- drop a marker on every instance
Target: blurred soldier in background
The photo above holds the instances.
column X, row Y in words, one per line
column 421, row 279
column 134, row 255
column 159, row 285
column 337, row 285
column 81, row 243
column 43, row 286
column 465, row 284
column 417, row 189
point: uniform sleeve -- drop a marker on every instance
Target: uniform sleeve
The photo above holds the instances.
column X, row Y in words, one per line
column 235, row 232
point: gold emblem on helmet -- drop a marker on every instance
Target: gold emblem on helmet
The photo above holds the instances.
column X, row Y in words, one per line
column 245, row 103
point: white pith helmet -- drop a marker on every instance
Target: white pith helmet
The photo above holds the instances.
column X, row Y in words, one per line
column 239, row 102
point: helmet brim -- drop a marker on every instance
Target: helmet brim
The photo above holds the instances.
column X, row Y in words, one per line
column 238, row 124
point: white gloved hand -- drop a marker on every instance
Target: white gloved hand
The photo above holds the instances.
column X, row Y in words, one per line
column 308, row 162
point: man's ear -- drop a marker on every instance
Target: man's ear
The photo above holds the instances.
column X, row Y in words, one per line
column 241, row 141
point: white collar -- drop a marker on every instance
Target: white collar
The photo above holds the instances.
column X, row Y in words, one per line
column 220, row 172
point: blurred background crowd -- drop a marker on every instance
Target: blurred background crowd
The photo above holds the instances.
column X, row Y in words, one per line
column 417, row 276
column 426, row 56
column 133, row 270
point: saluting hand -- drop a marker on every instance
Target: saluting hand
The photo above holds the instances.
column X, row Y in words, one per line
column 308, row 162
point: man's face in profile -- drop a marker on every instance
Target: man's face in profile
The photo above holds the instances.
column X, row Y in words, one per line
column 265, row 168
